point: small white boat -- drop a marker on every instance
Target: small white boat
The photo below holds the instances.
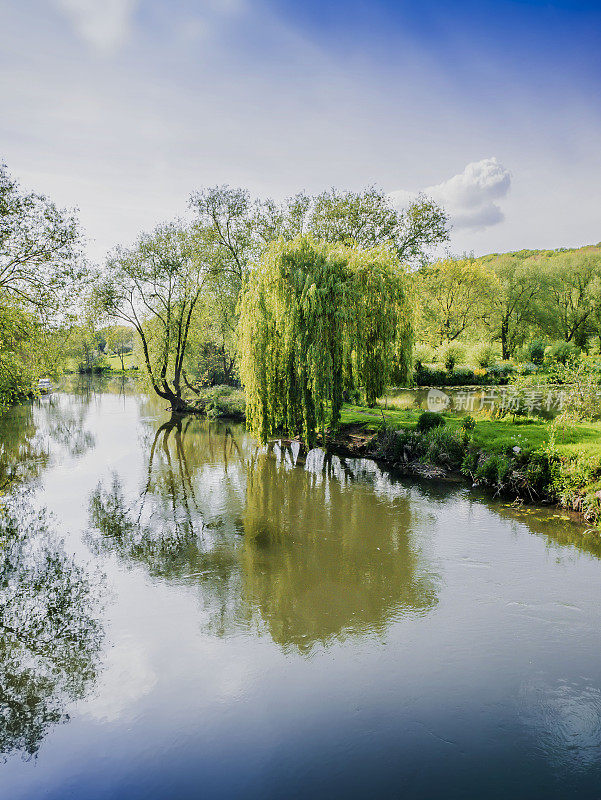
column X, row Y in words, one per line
column 44, row 385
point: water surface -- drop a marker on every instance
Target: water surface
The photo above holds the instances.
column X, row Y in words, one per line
column 263, row 625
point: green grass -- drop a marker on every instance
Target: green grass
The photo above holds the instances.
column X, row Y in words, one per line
column 114, row 362
column 492, row 435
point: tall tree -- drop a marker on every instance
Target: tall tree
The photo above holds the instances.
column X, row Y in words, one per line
column 309, row 309
column 157, row 287
column 368, row 219
column 456, row 293
column 510, row 312
column 570, row 295
column 39, row 246
column 240, row 228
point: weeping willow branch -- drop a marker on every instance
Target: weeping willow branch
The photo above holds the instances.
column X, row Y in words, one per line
column 315, row 319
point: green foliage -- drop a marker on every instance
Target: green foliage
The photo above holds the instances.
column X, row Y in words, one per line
column 222, row 401
column 468, row 424
column 536, row 351
column 368, row 219
column 444, row 448
column 581, row 389
column 119, row 340
column 560, row 352
column 435, row 446
column 455, row 294
column 312, row 311
column 464, row 376
column 430, row 419
column 27, row 351
column 423, row 354
column 483, row 355
column 39, row 248
column 158, row 287
column 450, row 355
column 83, row 347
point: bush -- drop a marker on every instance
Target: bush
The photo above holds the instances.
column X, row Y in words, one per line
column 429, row 420
column 222, row 401
column 560, row 353
column 498, row 374
column 483, row 355
column 436, row 446
column 468, row 424
column 422, row 354
column 535, row 352
column 581, row 378
column 444, row 448
column 451, row 355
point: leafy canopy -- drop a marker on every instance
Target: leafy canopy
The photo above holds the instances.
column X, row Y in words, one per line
column 39, row 246
column 314, row 315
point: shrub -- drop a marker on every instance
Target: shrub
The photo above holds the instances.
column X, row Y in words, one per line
column 451, row 355
column 444, row 448
column 422, row 354
column 222, row 401
column 469, row 465
column 498, row 374
column 535, row 352
column 483, row 355
column 581, row 391
column 487, row 470
column 429, row 420
column 560, row 352
column 468, row 423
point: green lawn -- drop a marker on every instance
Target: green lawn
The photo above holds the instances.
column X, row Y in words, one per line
column 491, row 435
column 115, row 361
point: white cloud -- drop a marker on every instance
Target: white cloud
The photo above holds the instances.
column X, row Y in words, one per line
column 105, row 24
column 127, row 677
column 470, row 196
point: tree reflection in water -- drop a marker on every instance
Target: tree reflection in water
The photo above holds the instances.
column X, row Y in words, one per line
column 32, row 433
column 322, row 560
column 50, row 632
column 318, row 559
column 23, row 453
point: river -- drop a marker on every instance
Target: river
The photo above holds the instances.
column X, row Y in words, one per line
column 243, row 622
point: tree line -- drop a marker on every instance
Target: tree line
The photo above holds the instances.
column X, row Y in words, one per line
column 306, row 302
column 513, row 298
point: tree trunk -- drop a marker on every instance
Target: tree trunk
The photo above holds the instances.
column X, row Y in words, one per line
column 504, row 340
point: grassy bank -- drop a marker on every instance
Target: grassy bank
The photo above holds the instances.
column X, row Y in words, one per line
column 529, row 458
column 221, row 402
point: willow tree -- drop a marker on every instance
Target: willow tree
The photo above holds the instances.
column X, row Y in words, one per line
column 310, row 312
column 158, row 289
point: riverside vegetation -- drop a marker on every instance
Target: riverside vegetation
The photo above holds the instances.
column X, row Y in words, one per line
column 298, row 316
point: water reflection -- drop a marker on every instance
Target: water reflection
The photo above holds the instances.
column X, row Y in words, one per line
column 230, row 565
column 23, row 453
column 49, row 628
column 321, row 554
column 325, row 555
column 32, row 433
column 561, row 530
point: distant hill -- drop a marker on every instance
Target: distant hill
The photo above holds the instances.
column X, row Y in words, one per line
column 588, row 249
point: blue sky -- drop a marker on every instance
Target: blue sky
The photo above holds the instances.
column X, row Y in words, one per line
column 123, row 107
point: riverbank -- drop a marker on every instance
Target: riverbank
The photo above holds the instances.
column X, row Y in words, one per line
column 527, row 459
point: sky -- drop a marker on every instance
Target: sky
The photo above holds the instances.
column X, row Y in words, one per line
column 122, row 108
